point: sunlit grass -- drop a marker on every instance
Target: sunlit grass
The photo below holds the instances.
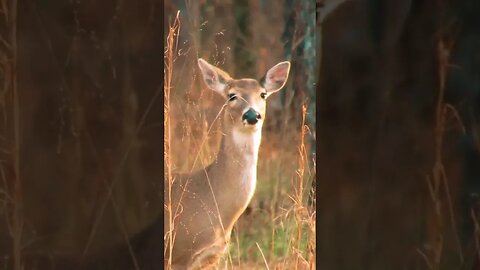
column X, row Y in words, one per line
column 272, row 224
column 278, row 229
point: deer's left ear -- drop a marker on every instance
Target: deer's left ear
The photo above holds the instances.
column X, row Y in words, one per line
column 276, row 77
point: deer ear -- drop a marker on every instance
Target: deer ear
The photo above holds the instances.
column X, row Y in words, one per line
column 276, row 77
column 215, row 78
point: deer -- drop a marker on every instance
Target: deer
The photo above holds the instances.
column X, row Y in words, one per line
column 206, row 204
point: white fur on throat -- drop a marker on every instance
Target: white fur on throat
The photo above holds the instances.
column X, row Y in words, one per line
column 248, row 143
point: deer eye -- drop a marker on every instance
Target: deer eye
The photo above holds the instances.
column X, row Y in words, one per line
column 263, row 95
column 232, row 97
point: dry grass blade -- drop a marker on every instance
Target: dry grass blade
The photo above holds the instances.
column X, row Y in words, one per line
column 263, row 256
column 300, row 209
column 438, row 181
column 172, row 39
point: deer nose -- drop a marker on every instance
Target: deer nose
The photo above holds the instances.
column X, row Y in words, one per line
column 251, row 116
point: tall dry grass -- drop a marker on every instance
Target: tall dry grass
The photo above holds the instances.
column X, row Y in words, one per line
column 278, row 230
column 170, row 50
column 441, row 215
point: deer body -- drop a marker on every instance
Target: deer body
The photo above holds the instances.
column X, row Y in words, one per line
column 203, row 231
column 206, row 205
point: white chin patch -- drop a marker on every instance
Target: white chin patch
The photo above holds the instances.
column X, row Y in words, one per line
column 248, row 126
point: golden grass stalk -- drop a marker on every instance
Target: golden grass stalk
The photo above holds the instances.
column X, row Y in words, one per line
column 303, row 215
column 172, row 40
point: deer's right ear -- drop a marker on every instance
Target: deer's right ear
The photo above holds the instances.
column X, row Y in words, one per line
column 276, row 77
column 215, row 78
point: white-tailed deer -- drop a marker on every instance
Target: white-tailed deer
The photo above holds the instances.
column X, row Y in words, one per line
column 206, row 204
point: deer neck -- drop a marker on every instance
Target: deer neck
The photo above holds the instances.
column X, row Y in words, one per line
column 243, row 145
column 238, row 157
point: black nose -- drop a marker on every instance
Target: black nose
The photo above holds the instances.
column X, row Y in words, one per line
column 251, row 116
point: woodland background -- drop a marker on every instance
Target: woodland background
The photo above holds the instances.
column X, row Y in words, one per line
column 397, row 169
column 80, row 116
column 398, row 135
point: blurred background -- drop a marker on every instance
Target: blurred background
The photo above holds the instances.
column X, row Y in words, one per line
column 246, row 38
column 80, row 112
column 398, row 135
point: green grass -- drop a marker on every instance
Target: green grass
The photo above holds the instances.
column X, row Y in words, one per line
column 272, row 224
